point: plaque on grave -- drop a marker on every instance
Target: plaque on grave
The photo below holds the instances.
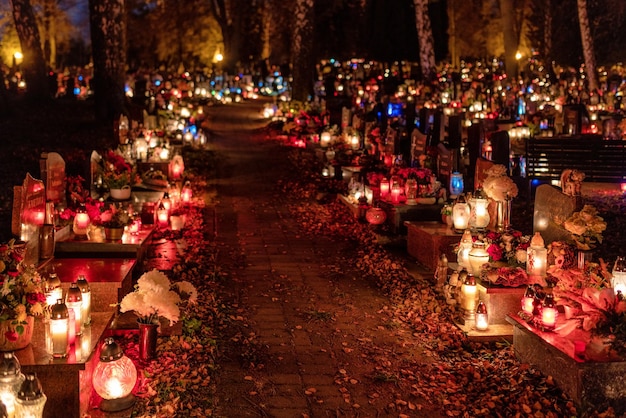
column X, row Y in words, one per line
column 552, row 208
column 30, row 215
column 52, row 168
column 482, row 165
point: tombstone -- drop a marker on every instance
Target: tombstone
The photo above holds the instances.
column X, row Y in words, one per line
column 455, row 131
column 475, row 136
column 501, row 148
column 552, row 208
column 29, row 211
column 482, row 165
column 573, row 116
column 52, row 167
column 445, row 164
column 346, row 115
column 96, row 182
column 418, row 145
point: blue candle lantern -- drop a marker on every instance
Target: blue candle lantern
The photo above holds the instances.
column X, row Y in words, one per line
column 456, row 184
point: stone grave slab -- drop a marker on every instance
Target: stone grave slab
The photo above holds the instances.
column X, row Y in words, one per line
column 52, row 167
column 29, row 210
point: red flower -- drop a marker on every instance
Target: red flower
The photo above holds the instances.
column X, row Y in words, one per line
column 33, row 298
column 495, row 252
column 493, row 236
column 11, row 335
column 13, row 273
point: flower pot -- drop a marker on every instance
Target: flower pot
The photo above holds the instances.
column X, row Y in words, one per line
column 121, row 194
column 148, row 334
column 10, row 340
column 113, row 234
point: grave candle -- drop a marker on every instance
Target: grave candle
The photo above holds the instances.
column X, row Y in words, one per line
column 186, row 192
column 162, row 215
column 325, row 139
column 396, row 190
column 479, row 216
column 384, row 188
column 74, row 301
column 460, row 214
column 465, row 246
column 537, row 257
column 81, row 223
column 85, row 290
column 482, row 318
column 469, row 292
column 478, row 256
column 549, row 313
column 528, row 300
column 59, row 329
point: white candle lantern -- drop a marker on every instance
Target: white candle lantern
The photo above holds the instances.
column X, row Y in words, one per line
column 537, row 257
column 85, row 291
column 163, row 216
column 30, row 398
column 479, row 213
column 469, row 295
column 528, row 301
column 325, row 139
column 478, row 256
column 619, row 276
column 59, row 329
column 74, row 301
column 465, row 246
column 549, row 313
column 11, row 379
column 114, row 378
column 141, row 149
column 81, row 223
column 482, row 318
column 460, row 214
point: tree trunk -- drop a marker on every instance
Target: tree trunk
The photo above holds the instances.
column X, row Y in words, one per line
column 302, row 64
column 507, row 11
column 108, row 40
column 426, row 41
column 33, row 63
column 587, row 42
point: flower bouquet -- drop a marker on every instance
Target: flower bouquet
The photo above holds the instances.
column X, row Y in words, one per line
column 498, row 186
column 117, row 172
column 155, row 297
column 585, row 227
column 22, row 294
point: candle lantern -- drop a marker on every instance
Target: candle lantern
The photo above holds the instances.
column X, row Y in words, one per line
column 410, row 190
column 537, row 257
column 460, row 214
column 114, row 378
column 549, row 312
column 81, row 223
column 11, row 379
column 325, row 139
column 186, row 193
column 619, row 276
column 176, row 167
column 384, row 188
column 456, row 185
column 85, row 291
column 479, row 213
column 355, row 142
column 528, row 301
column 163, row 215
column 30, row 398
column 141, row 149
column 482, row 318
column 74, row 301
column 167, row 202
column 465, row 246
column 396, row 191
column 478, row 256
column 59, row 329
column 54, row 291
column 174, row 194
column 469, row 296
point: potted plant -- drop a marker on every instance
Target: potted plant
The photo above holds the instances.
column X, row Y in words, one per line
column 118, row 175
column 22, row 298
column 114, row 220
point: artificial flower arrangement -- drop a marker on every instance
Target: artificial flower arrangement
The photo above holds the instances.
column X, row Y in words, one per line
column 586, row 227
column 117, row 172
column 155, row 297
column 22, row 293
column 507, row 255
column 498, row 185
column 115, row 217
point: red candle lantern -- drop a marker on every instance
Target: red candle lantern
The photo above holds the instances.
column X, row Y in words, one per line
column 186, row 193
column 163, row 215
column 384, row 189
column 81, row 223
column 528, row 301
column 549, row 313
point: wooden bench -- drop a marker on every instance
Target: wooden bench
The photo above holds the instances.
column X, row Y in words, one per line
column 600, row 159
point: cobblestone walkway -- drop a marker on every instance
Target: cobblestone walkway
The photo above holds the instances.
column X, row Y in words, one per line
column 307, row 337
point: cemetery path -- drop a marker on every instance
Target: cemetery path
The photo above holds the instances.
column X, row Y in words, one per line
column 307, row 337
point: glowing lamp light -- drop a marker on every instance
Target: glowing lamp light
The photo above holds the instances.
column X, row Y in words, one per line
column 30, row 398
column 81, row 223
column 549, row 313
column 114, row 378
column 460, row 214
column 59, row 329
column 528, row 301
column 384, row 189
column 456, row 184
column 396, row 191
column 619, row 276
column 54, row 291
column 185, row 113
column 186, row 193
column 85, row 291
column 141, row 149
column 465, row 246
column 325, row 139
column 479, row 214
column 74, row 301
column 164, row 154
column 482, row 318
column 537, row 257
column 623, row 187
column 355, row 142
column 188, row 137
column 11, row 379
column 469, row 296
column 478, row 256
column 163, row 215
column 176, row 167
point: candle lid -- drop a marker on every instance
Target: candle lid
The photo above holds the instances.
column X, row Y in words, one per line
column 59, row 310
column 537, row 240
column 481, row 308
column 110, row 351
column 83, row 284
column 30, row 389
column 9, row 365
column 74, row 294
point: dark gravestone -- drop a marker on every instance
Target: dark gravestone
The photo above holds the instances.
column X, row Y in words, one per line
column 501, row 148
column 552, row 208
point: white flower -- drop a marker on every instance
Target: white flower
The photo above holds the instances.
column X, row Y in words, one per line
column 152, row 299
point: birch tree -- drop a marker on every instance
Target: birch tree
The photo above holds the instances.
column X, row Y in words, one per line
column 302, row 58
column 108, row 40
column 426, row 41
column 587, row 43
column 33, row 64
